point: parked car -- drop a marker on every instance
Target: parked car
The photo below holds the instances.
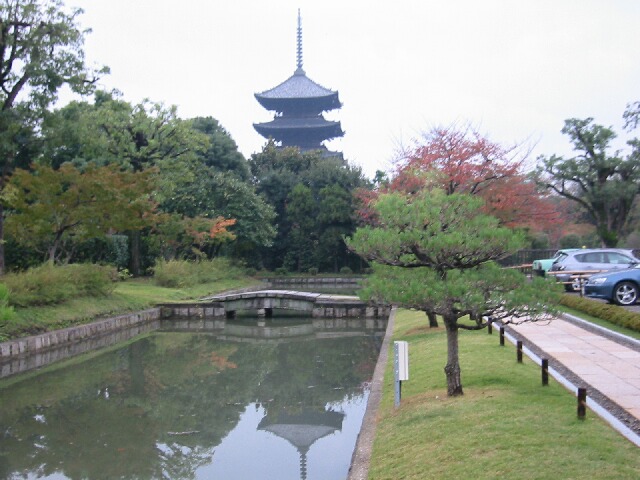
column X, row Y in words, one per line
column 620, row 287
column 590, row 260
column 542, row 266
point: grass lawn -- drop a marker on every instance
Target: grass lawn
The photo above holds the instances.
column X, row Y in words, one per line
column 129, row 296
column 505, row 426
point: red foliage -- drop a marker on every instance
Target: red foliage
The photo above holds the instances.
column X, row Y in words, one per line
column 464, row 161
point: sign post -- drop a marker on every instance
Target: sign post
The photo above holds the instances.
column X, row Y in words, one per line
column 401, row 367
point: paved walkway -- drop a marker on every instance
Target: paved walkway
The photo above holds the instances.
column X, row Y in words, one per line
column 604, row 362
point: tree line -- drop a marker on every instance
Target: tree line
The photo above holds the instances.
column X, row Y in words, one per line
column 107, row 180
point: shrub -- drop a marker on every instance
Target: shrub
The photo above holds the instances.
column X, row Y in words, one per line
column 49, row 284
column 183, row 273
column 611, row 313
column 346, row 271
column 6, row 311
column 313, row 271
column 282, row 271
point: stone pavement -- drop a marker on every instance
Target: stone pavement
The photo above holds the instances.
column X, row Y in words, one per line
column 606, row 363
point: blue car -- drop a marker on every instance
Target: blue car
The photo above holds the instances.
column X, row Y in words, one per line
column 621, row 287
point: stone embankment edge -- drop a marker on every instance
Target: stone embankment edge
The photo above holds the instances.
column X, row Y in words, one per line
column 24, row 346
column 59, row 338
column 359, row 469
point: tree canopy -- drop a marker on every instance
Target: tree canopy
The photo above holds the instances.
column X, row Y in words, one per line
column 41, row 49
column 313, row 198
column 435, row 252
column 50, row 207
column 602, row 183
column 462, row 160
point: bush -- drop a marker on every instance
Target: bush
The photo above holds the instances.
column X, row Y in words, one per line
column 570, row 241
column 611, row 313
column 282, row 271
column 183, row 273
column 7, row 314
column 346, row 271
column 49, row 284
column 313, row 271
column 6, row 311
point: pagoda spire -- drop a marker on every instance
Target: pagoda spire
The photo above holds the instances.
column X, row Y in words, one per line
column 299, row 70
column 299, row 103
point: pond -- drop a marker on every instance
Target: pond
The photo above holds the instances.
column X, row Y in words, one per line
column 226, row 401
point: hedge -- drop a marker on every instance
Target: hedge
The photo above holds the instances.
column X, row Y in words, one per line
column 611, row 313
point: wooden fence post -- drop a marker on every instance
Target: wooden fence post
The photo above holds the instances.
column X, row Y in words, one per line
column 490, row 326
column 519, row 350
column 545, row 372
column 582, row 402
column 502, row 336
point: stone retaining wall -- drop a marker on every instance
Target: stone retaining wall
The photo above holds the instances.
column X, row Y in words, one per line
column 60, row 338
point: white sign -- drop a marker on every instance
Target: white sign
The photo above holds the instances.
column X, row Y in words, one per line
column 402, row 353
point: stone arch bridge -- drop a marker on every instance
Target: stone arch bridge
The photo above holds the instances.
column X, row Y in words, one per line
column 266, row 301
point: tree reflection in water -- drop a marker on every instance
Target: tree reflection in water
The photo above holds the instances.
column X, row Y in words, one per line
column 162, row 405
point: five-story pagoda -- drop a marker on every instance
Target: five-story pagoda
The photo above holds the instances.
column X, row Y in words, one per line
column 299, row 104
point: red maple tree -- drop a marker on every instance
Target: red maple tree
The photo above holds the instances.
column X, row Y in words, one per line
column 463, row 160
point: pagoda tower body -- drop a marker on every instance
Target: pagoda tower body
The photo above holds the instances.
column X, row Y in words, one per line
column 299, row 104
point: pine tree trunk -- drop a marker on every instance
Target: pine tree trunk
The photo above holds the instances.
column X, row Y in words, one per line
column 452, row 369
column 433, row 320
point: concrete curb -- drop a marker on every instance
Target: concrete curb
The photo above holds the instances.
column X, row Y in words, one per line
column 359, row 469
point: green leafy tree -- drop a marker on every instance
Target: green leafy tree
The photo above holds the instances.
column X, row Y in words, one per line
column 276, row 173
column 335, row 220
column 604, row 185
column 112, row 131
column 435, row 253
column 222, row 152
column 54, row 208
column 41, row 49
column 193, row 189
column 301, row 211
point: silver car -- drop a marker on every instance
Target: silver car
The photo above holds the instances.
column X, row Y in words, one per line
column 590, row 260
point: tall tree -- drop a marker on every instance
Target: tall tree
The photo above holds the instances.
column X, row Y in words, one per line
column 41, row 49
column 302, row 213
column 435, row 252
column 53, row 207
column 222, row 152
column 276, row 173
column 465, row 161
column 604, row 185
column 111, row 130
column 334, row 220
column 192, row 188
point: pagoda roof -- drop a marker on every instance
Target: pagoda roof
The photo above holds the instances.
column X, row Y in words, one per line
column 286, row 123
column 315, row 126
column 301, row 88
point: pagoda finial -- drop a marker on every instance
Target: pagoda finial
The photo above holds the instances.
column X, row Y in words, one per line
column 299, row 70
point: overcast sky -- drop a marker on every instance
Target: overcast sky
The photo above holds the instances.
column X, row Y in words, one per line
column 516, row 69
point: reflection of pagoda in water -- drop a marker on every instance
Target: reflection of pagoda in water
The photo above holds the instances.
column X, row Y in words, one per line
column 299, row 103
column 303, row 429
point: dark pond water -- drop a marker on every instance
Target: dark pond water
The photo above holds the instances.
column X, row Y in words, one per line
column 232, row 403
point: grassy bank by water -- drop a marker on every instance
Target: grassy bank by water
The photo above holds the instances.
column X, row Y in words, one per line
column 128, row 296
column 505, row 426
